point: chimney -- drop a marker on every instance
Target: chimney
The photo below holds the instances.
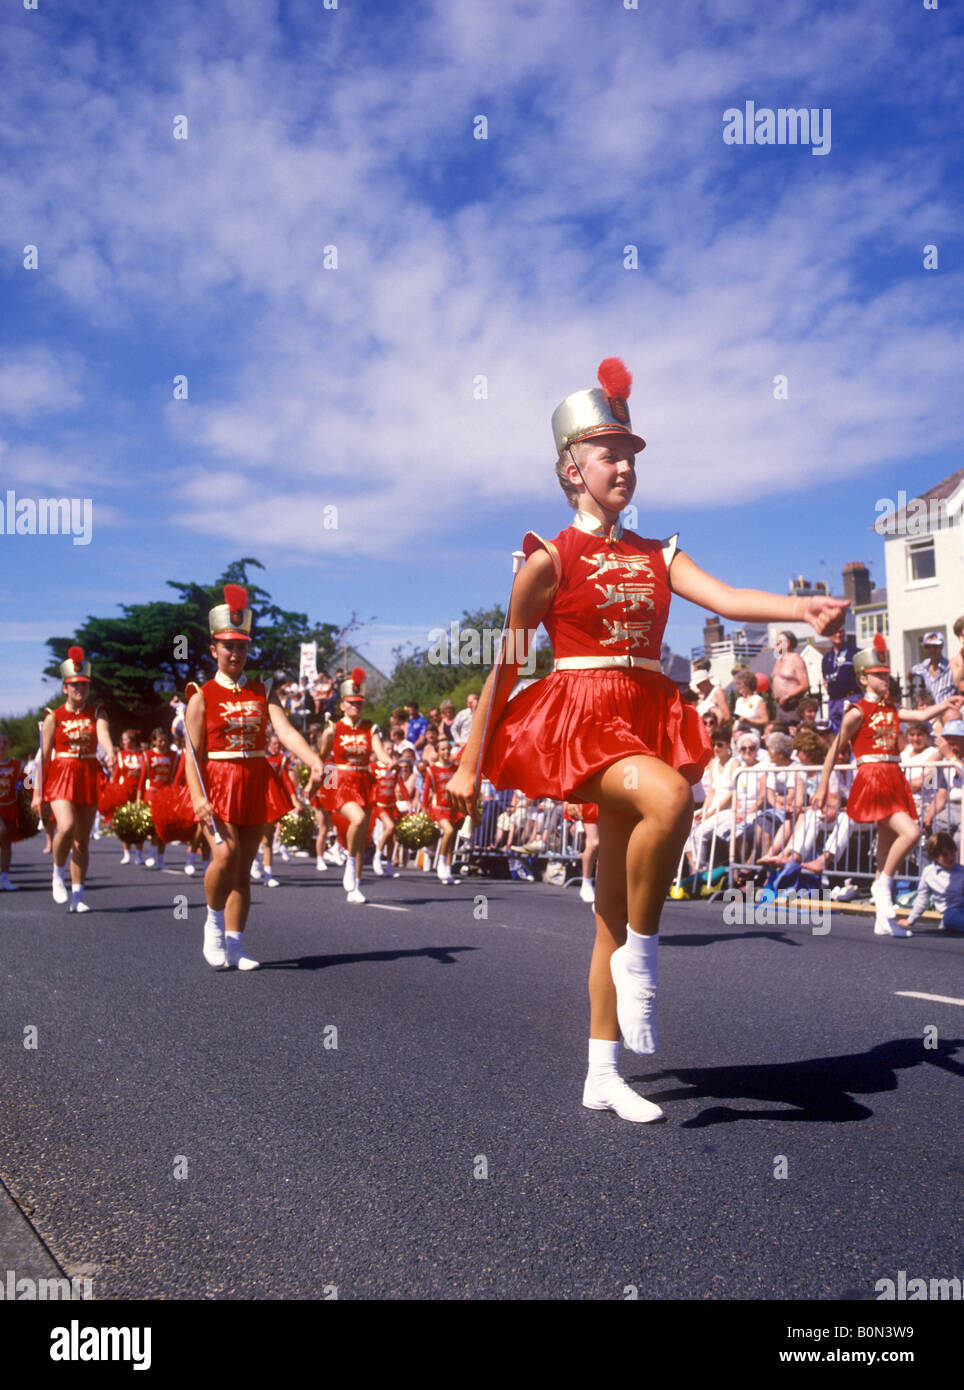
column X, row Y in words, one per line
column 856, row 583
column 712, row 630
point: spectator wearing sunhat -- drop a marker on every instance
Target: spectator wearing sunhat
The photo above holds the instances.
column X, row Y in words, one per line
column 934, row 672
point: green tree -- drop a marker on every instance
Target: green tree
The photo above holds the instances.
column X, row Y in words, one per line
column 141, row 658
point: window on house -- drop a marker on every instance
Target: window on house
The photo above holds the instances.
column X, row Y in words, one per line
column 921, row 562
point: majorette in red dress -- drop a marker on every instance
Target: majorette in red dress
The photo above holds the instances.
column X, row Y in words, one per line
column 280, row 787
column 236, row 771
column 386, row 790
column 434, row 795
column 10, row 773
column 72, row 771
column 880, row 787
column 157, row 771
column 326, row 797
column 610, row 606
column 128, row 771
column 171, row 807
column 351, row 751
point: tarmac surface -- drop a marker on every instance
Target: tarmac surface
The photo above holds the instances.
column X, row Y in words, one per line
column 391, row 1106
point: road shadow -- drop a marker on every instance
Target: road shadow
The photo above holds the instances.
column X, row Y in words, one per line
column 819, row 1089
column 444, row 955
column 701, row 939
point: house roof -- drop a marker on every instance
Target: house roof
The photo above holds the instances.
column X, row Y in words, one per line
column 940, row 492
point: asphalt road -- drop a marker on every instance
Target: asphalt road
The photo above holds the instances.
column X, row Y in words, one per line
column 182, row 1133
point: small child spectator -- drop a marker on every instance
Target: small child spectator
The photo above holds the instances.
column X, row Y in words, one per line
column 942, row 881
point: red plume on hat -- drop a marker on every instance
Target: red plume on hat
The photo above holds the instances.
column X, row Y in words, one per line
column 615, row 378
column 880, row 644
column 358, row 674
column 76, row 655
column 236, row 597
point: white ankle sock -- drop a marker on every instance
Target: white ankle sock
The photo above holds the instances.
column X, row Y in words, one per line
column 233, row 936
column 641, row 956
column 216, row 918
column 76, row 891
column 58, row 872
column 603, row 1056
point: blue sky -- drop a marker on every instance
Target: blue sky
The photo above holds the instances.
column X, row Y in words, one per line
column 458, row 258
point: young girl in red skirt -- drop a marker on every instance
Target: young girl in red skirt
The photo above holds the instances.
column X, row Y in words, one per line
column 436, row 802
column 880, row 794
column 124, row 786
column 69, row 740
column 386, row 798
column 226, row 722
column 351, row 743
column 606, row 725
column 281, row 798
column 157, row 773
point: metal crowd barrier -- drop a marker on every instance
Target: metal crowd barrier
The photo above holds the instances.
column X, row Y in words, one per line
column 755, row 825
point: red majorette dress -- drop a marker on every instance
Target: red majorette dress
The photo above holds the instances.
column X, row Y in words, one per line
column 280, row 787
column 236, row 770
column 880, row 787
column 606, row 697
column 435, row 798
column 171, row 808
column 10, row 773
column 123, row 786
column 351, row 752
column 73, row 769
column 157, row 771
column 386, row 791
column 326, row 797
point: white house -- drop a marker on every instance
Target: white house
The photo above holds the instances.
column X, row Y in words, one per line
column 924, row 556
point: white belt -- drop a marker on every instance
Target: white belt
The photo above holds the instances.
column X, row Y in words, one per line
column 352, row 767
column 67, row 754
column 878, row 758
column 600, row 663
column 223, row 755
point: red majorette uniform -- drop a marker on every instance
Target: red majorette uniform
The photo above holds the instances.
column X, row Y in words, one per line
column 280, row 787
column 606, row 697
column 589, row 813
column 171, row 807
column 326, row 797
column 157, row 772
column 10, row 774
column 72, row 772
column 128, row 771
column 880, row 788
column 236, row 770
column 388, row 788
column 351, row 752
column 434, row 796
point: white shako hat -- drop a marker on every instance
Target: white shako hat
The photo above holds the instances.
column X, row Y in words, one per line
column 875, row 658
column 76, row 667
column 600, row 410
column 232, row 618
column 354, row 687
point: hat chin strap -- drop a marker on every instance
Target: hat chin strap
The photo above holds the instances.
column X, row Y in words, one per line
column 585, row 484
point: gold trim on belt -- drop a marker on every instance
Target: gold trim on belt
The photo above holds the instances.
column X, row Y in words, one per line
column 223, row 755
column 601, row 663
column 878, row 758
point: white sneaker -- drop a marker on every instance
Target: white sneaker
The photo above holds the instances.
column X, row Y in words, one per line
column 149, row 863
column 377, row 866
column 213, row 950
column 884, row 926
column 256, row 873
column 847, row 891
column 635, row 1006
column 615, row 1094
column 445, row 873
column 357, row 896
column 126, row 857
column 882, row 898
column 59, row 889
column 302, row 854
column 348, row 877
column 320, row 865
column 272, row 883
column 189, row 869
column 236, row 959
column 78, row 905
column 587, row 894
column 285, row 856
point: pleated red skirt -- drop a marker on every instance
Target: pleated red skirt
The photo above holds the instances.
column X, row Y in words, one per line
column 571, row 724
column 878, row 791
column 72, row 779
column 277, row 797
column 355, row 784
column 237, row 789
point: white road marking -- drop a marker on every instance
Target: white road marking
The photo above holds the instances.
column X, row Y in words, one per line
column 389, row 907
column 934, row 998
